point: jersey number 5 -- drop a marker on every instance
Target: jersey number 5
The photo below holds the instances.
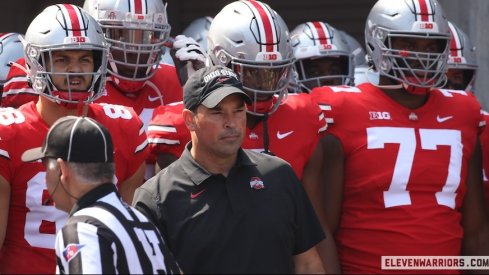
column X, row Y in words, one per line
column 430, row 139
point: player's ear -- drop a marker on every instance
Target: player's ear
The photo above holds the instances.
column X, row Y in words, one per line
column 189, row 119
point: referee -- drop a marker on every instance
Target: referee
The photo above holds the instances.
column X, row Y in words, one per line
column 103, row 235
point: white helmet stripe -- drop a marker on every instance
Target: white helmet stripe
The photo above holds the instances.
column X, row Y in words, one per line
column 138, row 6
column 266, row 26
column 455, row 43
column 73, row 19
column 424, row 9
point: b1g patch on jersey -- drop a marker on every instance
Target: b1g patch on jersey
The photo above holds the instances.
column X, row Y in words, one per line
column 380, row 115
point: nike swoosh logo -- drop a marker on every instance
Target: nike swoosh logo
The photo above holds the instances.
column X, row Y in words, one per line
column 195, row 195
column 150, row 98
column 443, row 119
column 284, row 135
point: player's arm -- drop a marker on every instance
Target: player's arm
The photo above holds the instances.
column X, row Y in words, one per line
column 332, row 179
column 308, row 262
column 128, row 186
column 475, row 219
column 163, row 160
column 4, row 208
column 313, row 183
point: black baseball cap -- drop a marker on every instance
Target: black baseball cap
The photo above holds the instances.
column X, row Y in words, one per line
column 210, row 85
column 75, row 139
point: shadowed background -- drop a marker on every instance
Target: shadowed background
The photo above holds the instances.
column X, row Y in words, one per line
column 346, row 15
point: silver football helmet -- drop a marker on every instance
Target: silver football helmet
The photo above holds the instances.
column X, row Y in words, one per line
column 65, row 27
column 198, row 30
column 408, row 19
column 136, row 31
column 253, row 40
column 462, row 57
column 362, row 73
column 10, row 50
column 359, row 55
column 322, row 56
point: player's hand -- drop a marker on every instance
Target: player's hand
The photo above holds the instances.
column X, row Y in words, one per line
column 188, row 56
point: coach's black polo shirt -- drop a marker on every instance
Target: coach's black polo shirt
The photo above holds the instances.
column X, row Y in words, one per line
column 253, row 221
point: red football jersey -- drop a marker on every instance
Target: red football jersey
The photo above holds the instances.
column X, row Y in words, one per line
column 405, row 173
column 293, row 131
column 484, row 138
column 16, row 90
column 30, row 237
column 162, row 88
column 167, row 133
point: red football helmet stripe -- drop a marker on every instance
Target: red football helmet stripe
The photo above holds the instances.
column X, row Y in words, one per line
column 74, row 19
column 322, row 32
column 423, row 10
column 138, row 6
column 267, row 24
column 4, row 35
column 455, row 44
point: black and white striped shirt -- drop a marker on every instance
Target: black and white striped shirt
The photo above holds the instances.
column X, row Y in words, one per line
column 105, row 235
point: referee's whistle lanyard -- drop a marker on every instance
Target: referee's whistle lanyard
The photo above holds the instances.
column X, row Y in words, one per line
column 49, row 200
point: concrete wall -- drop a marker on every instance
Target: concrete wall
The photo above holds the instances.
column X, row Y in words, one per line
column 471, row 17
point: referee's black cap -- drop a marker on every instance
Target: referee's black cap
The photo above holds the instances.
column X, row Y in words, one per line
column 209, row 85
column 75, row 139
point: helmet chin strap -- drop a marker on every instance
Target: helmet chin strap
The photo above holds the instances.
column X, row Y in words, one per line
column 128, row 86
column 387, row 87
column 17, row 65
column 80, row 106
column 416, row 90
column 409, row 88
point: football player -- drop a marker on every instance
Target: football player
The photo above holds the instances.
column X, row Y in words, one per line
column 322, row 56
column 167, row 134
column 136, row 31
column 402, row 171
column 286, row 126
column 462, row 69
column 12, row 78
column 66, row 55
column 198, row 30
column 462, row 61
column 362, row 73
